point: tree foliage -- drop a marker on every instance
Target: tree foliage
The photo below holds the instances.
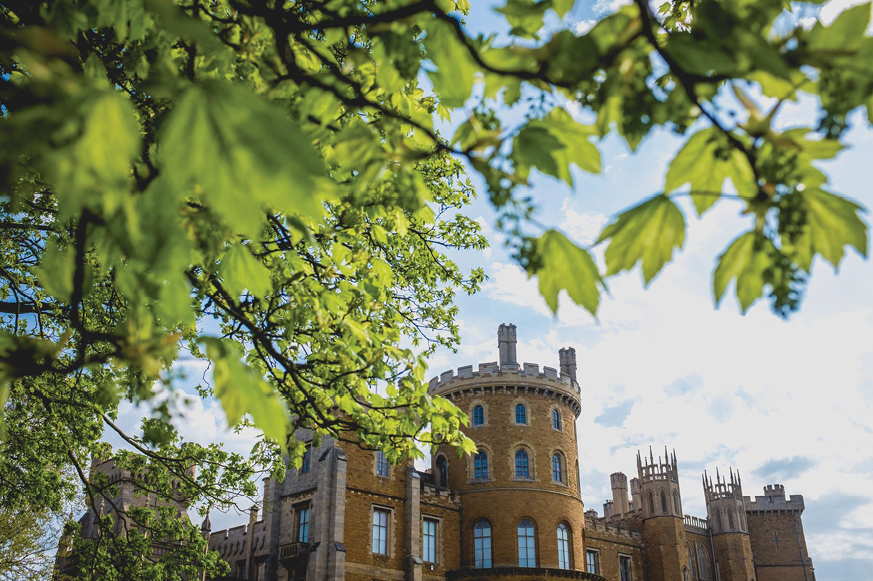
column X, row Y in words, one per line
column 265, row 185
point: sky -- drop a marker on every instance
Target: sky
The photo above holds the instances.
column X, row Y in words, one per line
column 783, row 401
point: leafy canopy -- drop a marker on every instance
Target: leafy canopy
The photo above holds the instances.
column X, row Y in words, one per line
column 264, row 185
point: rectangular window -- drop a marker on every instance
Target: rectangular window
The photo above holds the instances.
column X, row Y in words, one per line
column 307, row 458
column 624, row 568
column 429, row 540
column 381, row 464
column 303, row 525
column 380, row 531
column 592, row 562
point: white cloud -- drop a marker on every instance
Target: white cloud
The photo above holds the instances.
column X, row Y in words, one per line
column 510, row 284
column 583, row 26
column 609, row 6
column 582, row 227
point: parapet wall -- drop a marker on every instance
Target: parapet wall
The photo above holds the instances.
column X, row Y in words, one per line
column 694, row 524
column 492, row 374
column 774, row 503
column 597, row 526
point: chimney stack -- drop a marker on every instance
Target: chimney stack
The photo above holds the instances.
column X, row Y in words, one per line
column 506, row 344
column 567, row 359
column 619, row 493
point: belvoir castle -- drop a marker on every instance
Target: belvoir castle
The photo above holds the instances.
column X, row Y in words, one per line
column 513, row 511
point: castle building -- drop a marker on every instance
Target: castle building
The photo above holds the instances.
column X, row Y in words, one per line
column 511, row 512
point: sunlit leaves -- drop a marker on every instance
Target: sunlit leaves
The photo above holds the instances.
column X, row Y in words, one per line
column 240, row 270
column 99, row 159
column 555, row 143
column 455, row 71
column 745, row 262
column 241, row 391
column 706, row 160
column 242, row 155
column 832, row 223
column 844, row 34
column 565, row 266
column 649, row 233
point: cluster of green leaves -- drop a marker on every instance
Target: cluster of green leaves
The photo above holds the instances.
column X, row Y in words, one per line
column 262, row 184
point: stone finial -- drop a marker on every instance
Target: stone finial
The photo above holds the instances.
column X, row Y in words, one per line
column 506, row 344
column 207, row 524
column 567, row 358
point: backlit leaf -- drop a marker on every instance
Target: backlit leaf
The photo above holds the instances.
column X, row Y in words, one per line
column 648, row 233
column 565, row 266
column 745, row 261
column 240, row 270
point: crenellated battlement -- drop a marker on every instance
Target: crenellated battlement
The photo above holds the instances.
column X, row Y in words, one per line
column 492, row 377
column 594, row 524
column 774, row 500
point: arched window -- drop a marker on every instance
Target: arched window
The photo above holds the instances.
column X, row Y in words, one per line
column 527, row 544
column 717, row 520
column 480, row 465
column 563, row 547
column 556, row 420
column 478, row 416
column 520, row 414
column 651, row 503
column 685, row 574
column 742, row 520
column 522, row 468
column 663, row 502
column 702, row 564
column 557, row 468
column 730, row 512
column 482, row 545
column 677, row 508
column 442, row 472
column 690, row 562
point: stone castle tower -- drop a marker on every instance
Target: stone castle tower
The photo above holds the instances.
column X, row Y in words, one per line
column 520, row 494
column 730, row 534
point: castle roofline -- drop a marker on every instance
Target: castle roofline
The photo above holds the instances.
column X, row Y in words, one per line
column 492, row 375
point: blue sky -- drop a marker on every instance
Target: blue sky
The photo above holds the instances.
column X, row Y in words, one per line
column 782, row 401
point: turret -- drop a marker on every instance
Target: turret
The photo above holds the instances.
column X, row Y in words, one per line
column 619, row 493
column 663, row 522
column 727, row 521
column 506, row 345
column 636, row 494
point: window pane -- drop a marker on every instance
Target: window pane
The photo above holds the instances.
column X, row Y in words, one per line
column 624, row 568
column 381, row 464
column 303, row 525
column 380, row 532
column 307, row 455
column 520, row 414
column 557, row 475
column 482, row 545
column 591, row 562
column 522, row 469
column 429, row 537
column 526, row 545
column 563, row 548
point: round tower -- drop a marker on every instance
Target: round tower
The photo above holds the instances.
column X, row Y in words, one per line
column 726, row 513
column 520, row 493
column 663, row 521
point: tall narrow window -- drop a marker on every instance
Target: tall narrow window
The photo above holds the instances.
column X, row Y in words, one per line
column 381, row 464
column 443, row 472
column 480, row 465
column 520, row 414
column 702, row 564
column 690, row 561
column 624, row 568
column 557, row 468
column 556, row 420
column 527, row 544
column 478, row 416
column 685, row 574
column 677, row 508
column 380, row 531
column 592, row 562
column 563, row 547
column 307, row 459
column 303, row 525
column 742, row 520
column 730, row 512
column 482, row 545
column 663, row 502
column 718, row 520
column 429, row 539
column 522, row 469
column 651, row 503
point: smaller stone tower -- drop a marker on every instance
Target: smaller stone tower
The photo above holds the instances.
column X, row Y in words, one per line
column 567, row 360
column 776, row 535
column 663, row 522
column 727, row 521
column 636, row 495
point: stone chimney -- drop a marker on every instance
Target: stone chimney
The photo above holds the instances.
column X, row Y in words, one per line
column 567, row 359
column 506, row 344
column 619, row 493
column 636, row 493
